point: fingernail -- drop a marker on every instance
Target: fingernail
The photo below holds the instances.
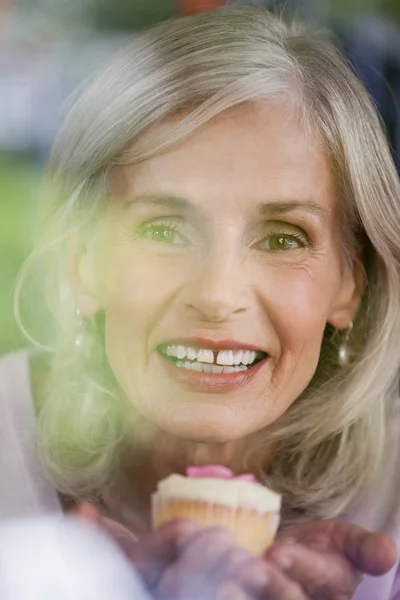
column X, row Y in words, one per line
column 260, row 579
column 236, row 595
column 285, row 562
column 189, row 528
column 231, row 592
column 290, row 541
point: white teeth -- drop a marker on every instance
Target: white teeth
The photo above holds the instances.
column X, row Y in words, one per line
column 207, row 368
column 205, row 356
column 245, row 357
column 173, row 351
column 237, row 357
column 249, row 356
column 253, row 356
column 225, row 357
column 191, row 353
column 181, row 352
column 196, row 366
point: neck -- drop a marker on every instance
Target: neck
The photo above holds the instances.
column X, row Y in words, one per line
column 147, row 462
column 161, row 453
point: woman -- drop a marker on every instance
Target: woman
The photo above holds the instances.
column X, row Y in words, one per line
column 221, row 227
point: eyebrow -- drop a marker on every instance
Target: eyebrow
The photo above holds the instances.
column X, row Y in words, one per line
column 168, row 201
column 282, row 208
column 264, row 208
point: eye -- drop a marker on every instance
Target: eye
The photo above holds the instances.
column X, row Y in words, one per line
column 165, row 232
column 282, row 241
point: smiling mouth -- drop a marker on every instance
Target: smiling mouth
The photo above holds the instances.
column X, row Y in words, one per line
column 206, row 360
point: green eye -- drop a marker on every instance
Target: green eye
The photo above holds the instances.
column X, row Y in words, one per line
column 278, row 242
column 161, row 233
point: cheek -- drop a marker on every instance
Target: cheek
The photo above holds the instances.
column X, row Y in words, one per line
column 297, row 301
column 138, row 285
column 138, row 281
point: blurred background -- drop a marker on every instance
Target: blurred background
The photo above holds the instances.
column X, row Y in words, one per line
column 49, row 47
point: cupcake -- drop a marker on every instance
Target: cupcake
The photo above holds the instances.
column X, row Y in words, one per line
column 213, row 496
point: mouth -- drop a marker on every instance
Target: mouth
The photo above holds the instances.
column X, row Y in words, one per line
column 210, row 358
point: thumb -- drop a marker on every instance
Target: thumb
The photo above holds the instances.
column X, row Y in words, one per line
column 370, row 552
column 88, row 512
column 115, row 530
column 154, row 551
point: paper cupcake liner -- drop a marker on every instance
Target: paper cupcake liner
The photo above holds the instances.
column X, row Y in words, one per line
column 252, row 529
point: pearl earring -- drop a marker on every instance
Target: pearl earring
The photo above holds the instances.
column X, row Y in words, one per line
column 344, row 354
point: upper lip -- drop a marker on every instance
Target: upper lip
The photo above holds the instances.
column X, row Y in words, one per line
column 206, row 343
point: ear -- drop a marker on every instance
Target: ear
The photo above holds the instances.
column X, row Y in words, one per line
column 347, row 301
column 83, row 276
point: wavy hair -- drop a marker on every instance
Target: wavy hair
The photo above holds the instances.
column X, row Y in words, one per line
column 331, row 443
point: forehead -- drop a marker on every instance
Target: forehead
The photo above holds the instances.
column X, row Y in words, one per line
column 252, row 152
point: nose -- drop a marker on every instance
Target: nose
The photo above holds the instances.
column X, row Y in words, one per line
column 219, row 289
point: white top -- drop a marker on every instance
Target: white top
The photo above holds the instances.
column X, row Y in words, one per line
column 24, row 489
column 234, row 493
column 64, row 558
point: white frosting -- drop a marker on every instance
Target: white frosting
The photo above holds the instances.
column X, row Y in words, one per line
column 229, row 492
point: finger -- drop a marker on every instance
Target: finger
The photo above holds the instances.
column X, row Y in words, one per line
column 239, row 567
column 280, row 586
column 264, row 580
column 231, row 590
column 233, row 561
column 115, row 530
column 320, row 574
column 156, row 550
column 372, row 553
column 88, row 512
column 207, row 547
column 195, row 571
column 121, row 534
column 254, row 576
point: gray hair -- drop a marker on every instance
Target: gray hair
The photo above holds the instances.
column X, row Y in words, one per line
column 332, row 440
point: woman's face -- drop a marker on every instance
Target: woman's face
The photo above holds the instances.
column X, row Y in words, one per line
column 221, row 266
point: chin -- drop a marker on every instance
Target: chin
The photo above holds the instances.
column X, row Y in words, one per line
column 208, row 425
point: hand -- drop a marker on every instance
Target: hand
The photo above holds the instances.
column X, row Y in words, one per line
column 179, row 561
column 326, row 559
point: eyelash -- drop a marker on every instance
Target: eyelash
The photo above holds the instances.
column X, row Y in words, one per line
column 172, row 225
column 301, row 238
column 169, row 223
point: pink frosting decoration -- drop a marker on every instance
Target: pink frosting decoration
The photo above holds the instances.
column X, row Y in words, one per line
column 217, row 472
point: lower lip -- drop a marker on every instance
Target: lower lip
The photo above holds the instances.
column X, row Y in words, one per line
column 212, row 383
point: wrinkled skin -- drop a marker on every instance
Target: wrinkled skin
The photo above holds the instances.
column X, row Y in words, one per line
column 320, row 560
column 233, row 235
